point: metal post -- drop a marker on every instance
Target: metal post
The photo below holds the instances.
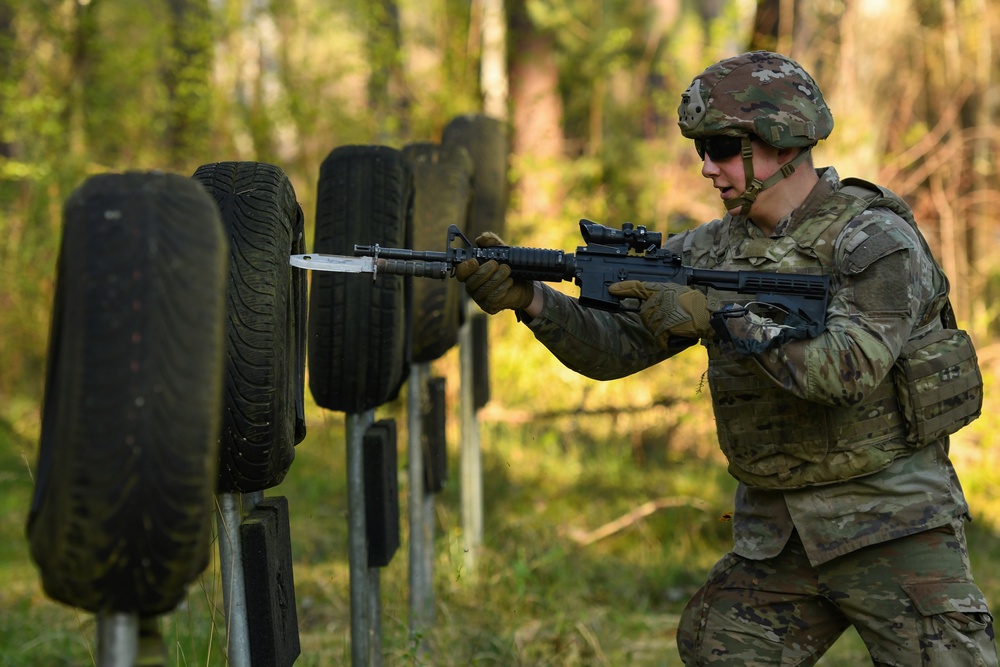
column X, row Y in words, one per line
column 471, row 458
column 356, row 425
column 232, row 507
column 117, row 640
column 420, row 550
column 375, row 617
column 428, row 525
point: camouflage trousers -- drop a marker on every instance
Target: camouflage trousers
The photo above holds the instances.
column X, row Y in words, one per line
column 912, row 601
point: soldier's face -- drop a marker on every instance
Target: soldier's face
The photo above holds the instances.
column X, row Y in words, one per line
column 729, row 177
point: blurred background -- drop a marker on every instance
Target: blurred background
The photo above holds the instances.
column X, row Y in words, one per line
column 590, row 94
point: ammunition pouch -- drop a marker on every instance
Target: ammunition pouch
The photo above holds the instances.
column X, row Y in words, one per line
column 939, row 385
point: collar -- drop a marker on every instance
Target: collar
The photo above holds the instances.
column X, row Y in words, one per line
column 747, row 241
column 829, row 182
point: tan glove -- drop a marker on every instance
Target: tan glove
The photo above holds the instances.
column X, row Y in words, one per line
column 490, row 285
column 669, row 309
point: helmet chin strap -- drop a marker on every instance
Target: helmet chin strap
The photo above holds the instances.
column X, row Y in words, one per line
column 754, row 185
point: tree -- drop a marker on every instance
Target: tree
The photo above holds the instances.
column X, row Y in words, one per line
column 7, row 76
column 388, row 97
column 537, row 107
column 493, row 70
column 186, row 73
column 536, row 110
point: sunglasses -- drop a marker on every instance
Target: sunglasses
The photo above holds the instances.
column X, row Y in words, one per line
column 718, row 148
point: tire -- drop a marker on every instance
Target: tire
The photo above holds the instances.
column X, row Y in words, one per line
column 442, row 184
column 121, row 517
column 263, row 415
column 359, row 329
column 485, row 139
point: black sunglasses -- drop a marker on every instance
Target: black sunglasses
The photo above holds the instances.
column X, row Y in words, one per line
column 721, row 147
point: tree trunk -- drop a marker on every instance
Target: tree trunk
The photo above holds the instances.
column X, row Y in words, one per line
column 388, row 97
column 493, row 67
column 7, row 75
column 984, row 171
column 537, row 112
column 537, row 106
column 186, row 74
column 766, row 26
column 776, row 27
column 83, row 106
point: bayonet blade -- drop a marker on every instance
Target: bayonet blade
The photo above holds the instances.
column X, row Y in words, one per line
column 334, row 263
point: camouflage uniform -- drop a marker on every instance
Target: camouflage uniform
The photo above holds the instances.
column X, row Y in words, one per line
column 837, row 520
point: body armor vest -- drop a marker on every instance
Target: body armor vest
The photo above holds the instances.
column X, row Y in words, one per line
column 772, row 438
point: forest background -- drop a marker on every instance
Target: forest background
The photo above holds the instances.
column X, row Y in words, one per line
column 90, row 86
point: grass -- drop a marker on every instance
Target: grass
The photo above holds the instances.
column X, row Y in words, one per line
column 538, row 596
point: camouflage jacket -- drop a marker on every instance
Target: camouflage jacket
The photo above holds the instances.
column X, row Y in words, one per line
column 867, row 325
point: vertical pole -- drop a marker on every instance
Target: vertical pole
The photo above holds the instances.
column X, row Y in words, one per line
column 420, row 550
column 415, row 469
column 117, row 640
column 231, row 509
column 356, row 425
column 375, row 617
column 427, row 524
column 471, row 457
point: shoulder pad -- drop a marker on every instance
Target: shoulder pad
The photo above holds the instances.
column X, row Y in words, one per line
column 874, row 234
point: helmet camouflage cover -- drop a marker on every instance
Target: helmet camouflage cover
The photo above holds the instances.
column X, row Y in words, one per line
column 761, row 93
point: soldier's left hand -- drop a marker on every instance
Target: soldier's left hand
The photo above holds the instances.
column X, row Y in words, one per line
column 490, row 284
column 669, row 309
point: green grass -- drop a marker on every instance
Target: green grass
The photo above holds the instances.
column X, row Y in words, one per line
column 537, row 597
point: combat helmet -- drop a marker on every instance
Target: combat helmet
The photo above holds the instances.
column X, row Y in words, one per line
column 760, row 94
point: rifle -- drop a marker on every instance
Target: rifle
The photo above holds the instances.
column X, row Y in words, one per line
column 609, row 256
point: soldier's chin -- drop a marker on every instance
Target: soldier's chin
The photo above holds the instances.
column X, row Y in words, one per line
column 733, row 206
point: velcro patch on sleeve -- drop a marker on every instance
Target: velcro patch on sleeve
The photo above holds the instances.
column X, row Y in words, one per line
column 876, row 246
column 884, row 288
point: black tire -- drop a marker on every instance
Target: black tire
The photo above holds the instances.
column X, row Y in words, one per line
column 485, row 139
column 359, row 342
column 263, row 414
column 122, row 510
column 442, row 184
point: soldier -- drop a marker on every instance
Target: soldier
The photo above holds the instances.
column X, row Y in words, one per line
column 846, row 512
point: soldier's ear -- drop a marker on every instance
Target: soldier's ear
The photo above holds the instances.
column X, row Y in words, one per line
column 786, row 155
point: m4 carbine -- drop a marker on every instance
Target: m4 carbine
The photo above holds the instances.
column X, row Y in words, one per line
column 609, row 256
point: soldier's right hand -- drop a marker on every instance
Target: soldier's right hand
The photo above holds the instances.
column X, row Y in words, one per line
column 669, row 309
column 490, row 284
